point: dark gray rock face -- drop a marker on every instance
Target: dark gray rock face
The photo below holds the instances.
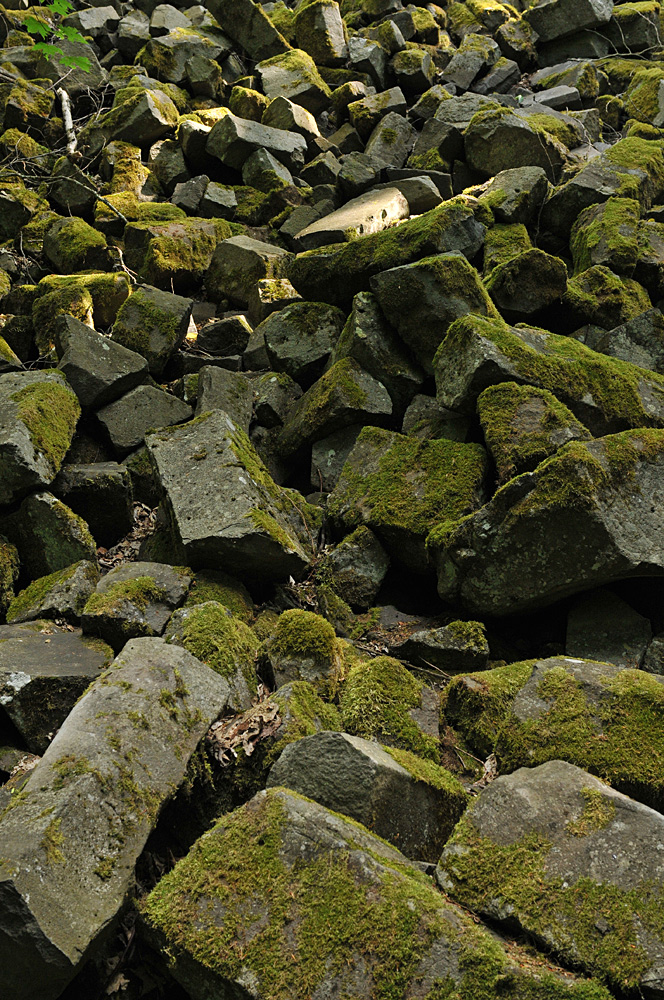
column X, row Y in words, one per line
column 71, row 842
column 531, row 545
column 579, row 836
column 44, row 670
column 224, row 506
column 127, row 420
column 601, row 626
column 98, row 369
column 366, row 782
column 101, row 494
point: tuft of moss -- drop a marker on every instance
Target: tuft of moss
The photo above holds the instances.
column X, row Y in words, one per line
column 376, row 701
column 304, row 634
column 218, row 639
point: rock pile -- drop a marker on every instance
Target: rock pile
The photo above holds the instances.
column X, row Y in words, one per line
column 331, row 463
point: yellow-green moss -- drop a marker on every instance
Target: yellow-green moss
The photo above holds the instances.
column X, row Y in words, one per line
column 218, row 639
column 598, row 812
column 417, row 484
column 50, row 412
column 375, row 702
column 304, row 634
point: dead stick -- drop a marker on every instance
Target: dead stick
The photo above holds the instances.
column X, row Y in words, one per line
column 67, row 120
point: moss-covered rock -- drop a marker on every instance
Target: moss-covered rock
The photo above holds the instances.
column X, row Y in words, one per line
column 604, row 393
column 72, row 245
column 294, row 75
column 575, row 523
column 523, row 426
column 422, row 300
column 382, row 700
column 607, row 234
column 173, row 255
column 336, row 273
column 599, row 296
column 60, row 595
column 303, row 647
column 504, row 241
column 597, row 716
column 38, row 415
column 153, row 323
column 49, row 536
column 563, row 870
column 401, row 487
column 214, row 585
column 212, row 633
column 346, row 394
column 294, row 879
column 92, row 298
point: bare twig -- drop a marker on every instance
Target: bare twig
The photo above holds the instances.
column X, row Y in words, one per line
column 67, row 120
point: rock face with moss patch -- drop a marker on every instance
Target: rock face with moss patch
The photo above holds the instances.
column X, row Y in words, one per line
column 582, row 519
column 454, row 647
column 343, row 396
column 62, row 594
column 44, row 669
column 49, row 536
column 412, row 803
column 224, row 506
column 153, row 324
column 598, row 716
column 72, row 835
column 134, row 600
column 292, row 878
column 605, row 394
column 215, row 637
column 423, row 299
column 38, row 417
column 400, row 487
column 564, row 871
column 523, row 426
column 302, row 648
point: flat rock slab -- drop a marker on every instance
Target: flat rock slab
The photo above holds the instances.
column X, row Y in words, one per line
column 370, row 213
column 72, row 836
column 126, row 421
column 320, row 907
column 224, row 505
column 43, row 671
column 374, row 786
column 575, row 865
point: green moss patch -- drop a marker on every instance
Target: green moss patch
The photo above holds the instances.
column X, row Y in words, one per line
column 375, row 703
column 302, row 633
column 218, row 639
column 50, row 411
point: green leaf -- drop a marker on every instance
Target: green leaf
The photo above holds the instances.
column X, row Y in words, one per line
column 76, row 62
column 71, row 34
column 36, row 27
column 48, row 50
column 61, row 7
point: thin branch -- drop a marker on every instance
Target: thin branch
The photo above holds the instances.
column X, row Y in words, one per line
column 89, row 187
column 67, row 120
